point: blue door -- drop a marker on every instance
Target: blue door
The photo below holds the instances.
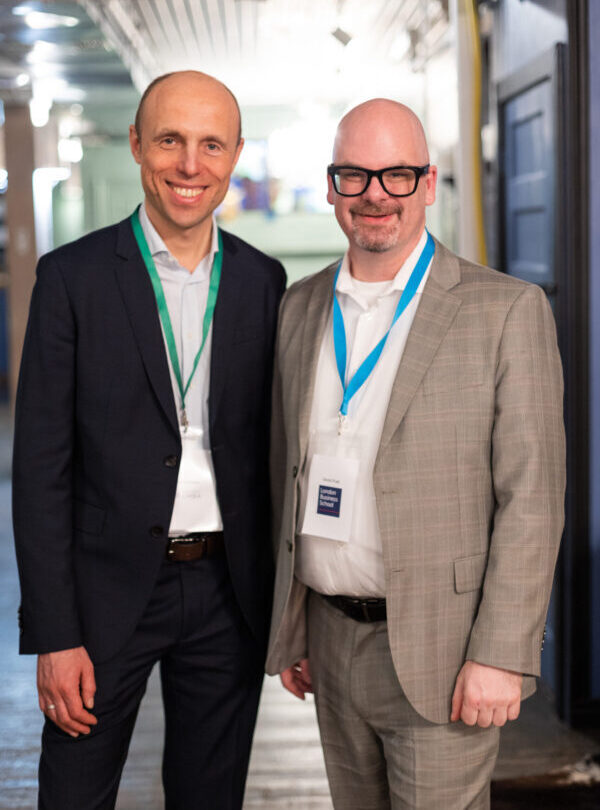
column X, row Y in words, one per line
column 530, row 145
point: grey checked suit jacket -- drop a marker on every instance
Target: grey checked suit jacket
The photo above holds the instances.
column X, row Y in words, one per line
column 469, row 477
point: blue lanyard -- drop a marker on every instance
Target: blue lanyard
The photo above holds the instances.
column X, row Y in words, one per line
column 339, row 332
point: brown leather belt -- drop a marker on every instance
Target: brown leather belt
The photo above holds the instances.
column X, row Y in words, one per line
column 361, row 610
column 195, row 546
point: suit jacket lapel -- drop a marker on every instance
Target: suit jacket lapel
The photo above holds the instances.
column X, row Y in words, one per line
column 317, row 314
column 224, row 322
column 140, row 303
column 436, row 311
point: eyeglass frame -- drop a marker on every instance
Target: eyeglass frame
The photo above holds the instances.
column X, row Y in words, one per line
column 419, row 171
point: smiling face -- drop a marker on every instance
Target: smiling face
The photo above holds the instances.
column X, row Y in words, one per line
column 374, row 135
column 187, row 147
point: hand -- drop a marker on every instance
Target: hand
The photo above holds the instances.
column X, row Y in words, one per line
column 296, row 679
column 66, row 688
column 486, row 695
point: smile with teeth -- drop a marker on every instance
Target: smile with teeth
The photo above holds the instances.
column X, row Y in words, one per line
column 187, row 192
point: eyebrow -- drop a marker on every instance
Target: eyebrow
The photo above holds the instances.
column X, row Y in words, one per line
column 173, row 133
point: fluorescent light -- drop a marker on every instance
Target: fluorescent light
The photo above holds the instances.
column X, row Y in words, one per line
column 44, row 19
column 39, row 110
column 42, row 51
column 70, row 150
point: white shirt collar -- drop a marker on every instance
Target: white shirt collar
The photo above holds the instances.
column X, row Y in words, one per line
column 158, row 247
column 347, row 284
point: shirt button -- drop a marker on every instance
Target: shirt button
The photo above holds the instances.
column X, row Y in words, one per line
column 157, row 531
column 170, row 461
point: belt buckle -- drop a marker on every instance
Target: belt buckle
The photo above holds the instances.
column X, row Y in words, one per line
column 182, row 543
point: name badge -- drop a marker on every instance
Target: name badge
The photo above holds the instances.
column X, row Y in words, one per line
column 196, row 507
column 330, row 497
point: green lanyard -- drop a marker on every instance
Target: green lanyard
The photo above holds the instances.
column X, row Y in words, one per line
column 163, row 310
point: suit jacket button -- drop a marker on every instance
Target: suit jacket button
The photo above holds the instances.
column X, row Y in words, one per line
column 290, row 546
column 157, row 531
column 294, row 471
column 171, row 461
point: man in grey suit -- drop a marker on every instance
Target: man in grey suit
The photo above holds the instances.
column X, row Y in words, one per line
column 418, row 474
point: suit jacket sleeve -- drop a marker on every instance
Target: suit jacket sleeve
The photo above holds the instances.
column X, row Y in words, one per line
column 528, row 469
column 278, row 444
column 42, row 469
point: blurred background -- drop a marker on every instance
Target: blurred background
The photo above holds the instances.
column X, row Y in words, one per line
column 509, row 93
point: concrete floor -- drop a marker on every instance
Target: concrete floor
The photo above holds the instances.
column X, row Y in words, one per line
column 286, row 769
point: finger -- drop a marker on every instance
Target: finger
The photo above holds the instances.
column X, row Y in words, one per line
column 305, row 673
column 76, row 710
column 499, row 716
column 305, row 685
column 88, row 687
column 47, row 703
column 468, row 714
column 484, row 718
column 289, row 681
column 457, row 699
column 514, row 710
column 60, row 716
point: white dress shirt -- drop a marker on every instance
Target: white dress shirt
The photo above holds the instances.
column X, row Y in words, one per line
column 196, row 505
column 355, row 568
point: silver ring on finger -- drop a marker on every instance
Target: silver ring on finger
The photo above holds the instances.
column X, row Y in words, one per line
column 50, row 707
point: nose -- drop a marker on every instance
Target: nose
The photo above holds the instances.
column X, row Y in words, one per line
column 189, row 163
column 375, row 191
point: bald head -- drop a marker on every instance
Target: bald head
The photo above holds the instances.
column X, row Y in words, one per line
column 382, row 227
column 382, row 123
column 192, row 81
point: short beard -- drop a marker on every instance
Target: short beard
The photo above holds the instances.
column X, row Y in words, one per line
column 374, row 239
column 375, row 243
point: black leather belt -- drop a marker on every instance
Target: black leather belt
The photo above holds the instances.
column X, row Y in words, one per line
column 195, row 546
column 361, row 610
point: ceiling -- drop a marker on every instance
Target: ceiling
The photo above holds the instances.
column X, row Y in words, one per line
column 101, row 53
column 273, row 51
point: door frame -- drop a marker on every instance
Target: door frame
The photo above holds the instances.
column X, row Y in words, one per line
column 572, row 619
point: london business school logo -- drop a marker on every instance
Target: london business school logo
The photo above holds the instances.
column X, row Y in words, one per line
column 329, row 501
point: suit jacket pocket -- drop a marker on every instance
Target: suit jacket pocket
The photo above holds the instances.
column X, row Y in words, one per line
column 469, row 572
column 88, row 518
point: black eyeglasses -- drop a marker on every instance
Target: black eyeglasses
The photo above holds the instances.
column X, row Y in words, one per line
column 397, row 181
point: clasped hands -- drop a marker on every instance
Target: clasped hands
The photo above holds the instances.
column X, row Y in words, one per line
column 483, row 695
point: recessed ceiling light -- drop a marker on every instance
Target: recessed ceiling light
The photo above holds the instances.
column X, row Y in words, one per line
column 22, row 79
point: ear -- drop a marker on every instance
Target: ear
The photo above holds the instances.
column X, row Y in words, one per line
column 135, row 144
column 430, row 185
column 238, row 152
column 330, row 191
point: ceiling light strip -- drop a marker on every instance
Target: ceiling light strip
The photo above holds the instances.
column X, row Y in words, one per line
column 119, row 29
column 217, row 26
column 232, row 31
column 202, row 35
column 182, row 23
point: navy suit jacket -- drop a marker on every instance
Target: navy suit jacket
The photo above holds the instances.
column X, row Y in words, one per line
column 97, row 443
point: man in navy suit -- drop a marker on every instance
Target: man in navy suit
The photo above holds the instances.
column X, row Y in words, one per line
column 140, row 471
